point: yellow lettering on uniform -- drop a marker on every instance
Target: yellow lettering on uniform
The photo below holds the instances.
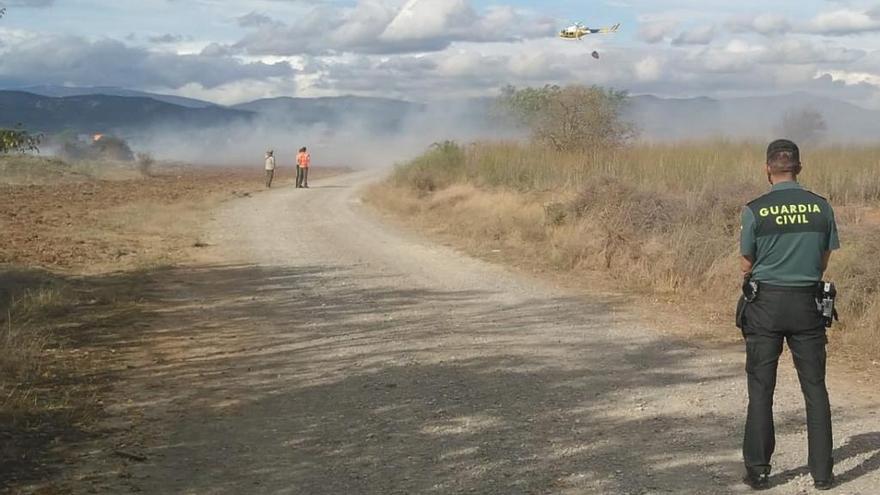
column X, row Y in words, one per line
column 792, row 219
column 780, row 220
column 816, row 209
column 804, row 219
column 784, row 210
column 774, row 210
column 764, row 212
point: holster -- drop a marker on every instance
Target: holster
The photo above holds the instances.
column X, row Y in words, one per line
column 740, row 311
column 749, row 293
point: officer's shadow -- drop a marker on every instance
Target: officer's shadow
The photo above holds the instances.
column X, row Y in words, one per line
column 866, row 444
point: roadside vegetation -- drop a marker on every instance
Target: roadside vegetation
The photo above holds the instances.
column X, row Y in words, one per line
column 661, row 218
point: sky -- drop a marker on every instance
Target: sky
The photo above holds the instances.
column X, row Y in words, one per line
column 231, row 51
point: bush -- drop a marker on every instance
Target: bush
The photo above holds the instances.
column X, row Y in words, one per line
column 145, row 162
column 113, row 148
column 442, row 165
column 19, row 141
column 569, row 118
column 108, row 148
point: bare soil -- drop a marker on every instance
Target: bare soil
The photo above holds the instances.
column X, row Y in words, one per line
column 70, row 225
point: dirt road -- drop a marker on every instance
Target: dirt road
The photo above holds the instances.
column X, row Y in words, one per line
column 326, row 353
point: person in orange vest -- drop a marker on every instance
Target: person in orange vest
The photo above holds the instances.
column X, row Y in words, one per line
column 303, row 161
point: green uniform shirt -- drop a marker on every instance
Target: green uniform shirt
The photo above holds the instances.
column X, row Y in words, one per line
column 786, row 232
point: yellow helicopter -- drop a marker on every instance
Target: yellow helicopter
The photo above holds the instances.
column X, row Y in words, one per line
column 578, row 31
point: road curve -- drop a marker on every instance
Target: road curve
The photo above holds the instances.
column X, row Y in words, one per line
column 327, row 353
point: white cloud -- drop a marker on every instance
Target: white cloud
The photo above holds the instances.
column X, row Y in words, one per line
column 852, row 78
column 845, row 22
column 78, row 61
column 648, row 69
column 766, row 24
column 840, row 22
column 702, row 35
column 378, row 26
column 426, row 19
column 657, row 31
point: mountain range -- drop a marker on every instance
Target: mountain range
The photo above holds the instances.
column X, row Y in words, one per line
column 747, row 117
column 61, row 91
column 53, row 109
column 105, row 113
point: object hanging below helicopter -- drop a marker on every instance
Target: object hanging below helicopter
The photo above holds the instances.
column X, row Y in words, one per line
column 578, row 31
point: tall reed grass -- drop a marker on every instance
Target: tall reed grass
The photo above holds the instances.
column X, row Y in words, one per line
column 845, row 175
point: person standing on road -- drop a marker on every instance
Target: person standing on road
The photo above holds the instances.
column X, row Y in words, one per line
column 787, row 238
column 303, row 161
column 270, row 167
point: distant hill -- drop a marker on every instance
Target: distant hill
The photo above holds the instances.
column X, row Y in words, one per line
column 759, row 117
column 62, row 91
column 103, row 113
column 374, row 114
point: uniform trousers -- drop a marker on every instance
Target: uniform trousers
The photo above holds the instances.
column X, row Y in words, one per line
column 786, row 314
column 270, row 174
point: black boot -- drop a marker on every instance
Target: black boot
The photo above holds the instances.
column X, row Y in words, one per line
column 757, row 481
column 824, row 484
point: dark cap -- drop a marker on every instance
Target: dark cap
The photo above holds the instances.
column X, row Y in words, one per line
column 783, row 145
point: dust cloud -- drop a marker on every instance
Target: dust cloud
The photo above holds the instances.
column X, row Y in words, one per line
column 356, row 138
column 372, row 132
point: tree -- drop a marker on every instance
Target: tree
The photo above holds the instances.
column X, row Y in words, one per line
column 804, row 125
column 570, row 118
column 19, row 141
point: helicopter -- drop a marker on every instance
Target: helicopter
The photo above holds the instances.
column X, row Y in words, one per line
column 578, row 31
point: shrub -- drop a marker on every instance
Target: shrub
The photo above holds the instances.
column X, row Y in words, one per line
column 436, row 169
column 145, row 162
column 19, row 141
column 112, row 148
column 106, row 148
column 569, row 118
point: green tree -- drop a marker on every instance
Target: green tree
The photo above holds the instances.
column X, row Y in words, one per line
column 571, row 118
column 19, row 141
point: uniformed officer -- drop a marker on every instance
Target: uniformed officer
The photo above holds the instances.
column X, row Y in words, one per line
column 787, row 238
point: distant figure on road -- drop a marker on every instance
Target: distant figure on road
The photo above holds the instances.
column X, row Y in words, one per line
column 270, row 167
column 787, row 238
column 303, row 161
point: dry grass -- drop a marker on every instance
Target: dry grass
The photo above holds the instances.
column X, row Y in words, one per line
column 659, row 218
column 24, row 335
column 29, row 169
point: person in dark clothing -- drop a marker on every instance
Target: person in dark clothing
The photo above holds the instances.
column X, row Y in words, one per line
column 787, row 238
